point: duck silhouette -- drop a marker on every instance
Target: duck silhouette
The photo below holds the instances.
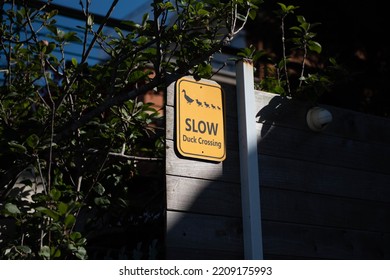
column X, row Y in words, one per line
column 199, row 103
column 189, row 99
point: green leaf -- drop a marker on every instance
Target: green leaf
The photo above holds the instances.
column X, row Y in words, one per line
column 45, row 252
column 81, row 241
column 258, row 55
column 16, row 147
column 283, row 7
column 48, row 212
column 32, row 141
column 81, row 253
column 62, row 208
column 252, row 14
column 204, row 70
column 71, row 247
column 291, row 8
column 55, row 194
column 279, row 90
column 55, row 252
column 315, row 46
column 145, row 19
column 301, row 19
column 53, row 29
column 305, row 26
column 74, row 62
column 72, row 37
column 130, row 23
column 12, row 208
column 137, row 75
column 296, row 28
column 90, row 20
column 70, row 220
column 99, row 189
column 24, row 249
column 75, row 235
column 52, row 14
column 119, row 32
column 203, row 12
column 50, row 47
column 333, row 61
column 102, row 201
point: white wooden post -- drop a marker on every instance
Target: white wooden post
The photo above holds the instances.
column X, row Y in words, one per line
column 250, row 189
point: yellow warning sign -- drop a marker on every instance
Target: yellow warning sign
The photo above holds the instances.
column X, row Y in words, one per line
column 200, row 119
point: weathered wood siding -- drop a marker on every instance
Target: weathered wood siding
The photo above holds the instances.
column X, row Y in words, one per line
column 203, row 198
column 323, row 194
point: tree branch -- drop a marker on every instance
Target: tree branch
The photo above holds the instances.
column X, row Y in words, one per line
column 118, row 99
column 92, row 44
column 128, row 93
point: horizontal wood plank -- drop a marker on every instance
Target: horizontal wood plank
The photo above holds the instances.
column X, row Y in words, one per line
column 203, row 196
column 226, row 171
column 323, row 195
column 321, row 210
column 325, row 149
column 295, row 241
column 306, row 145
column 311, row 177
column 183, row 253
column 278, row 111
column 204, row 232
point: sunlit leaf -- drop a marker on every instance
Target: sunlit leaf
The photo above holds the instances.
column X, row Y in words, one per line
column 45, row 252
column 315, row 46
column 12, row 208
column 50, row 213
column 24, row 249
column 90, row 20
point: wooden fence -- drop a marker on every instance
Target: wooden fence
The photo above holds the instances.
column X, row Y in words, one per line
column 324, row 195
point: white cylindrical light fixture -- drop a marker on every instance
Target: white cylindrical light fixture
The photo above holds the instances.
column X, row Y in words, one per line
column 318, row 118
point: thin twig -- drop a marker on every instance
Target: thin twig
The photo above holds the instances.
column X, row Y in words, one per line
column 157, row 33
column 87, row 27
column 41, row 175
column 102, row 25
column 137, row 158
column 88, row 51
column 284, row 55
column 79, row 180
column 52, row 125
column 303, row 64
column 122, row 155
column 128, row 92
column 220, row 68
column 95, row 180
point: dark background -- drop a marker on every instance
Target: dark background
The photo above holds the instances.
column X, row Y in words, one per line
column 352, row 32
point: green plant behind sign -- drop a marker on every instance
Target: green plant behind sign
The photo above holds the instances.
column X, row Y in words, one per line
column 288, row 74
column 80, row 136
